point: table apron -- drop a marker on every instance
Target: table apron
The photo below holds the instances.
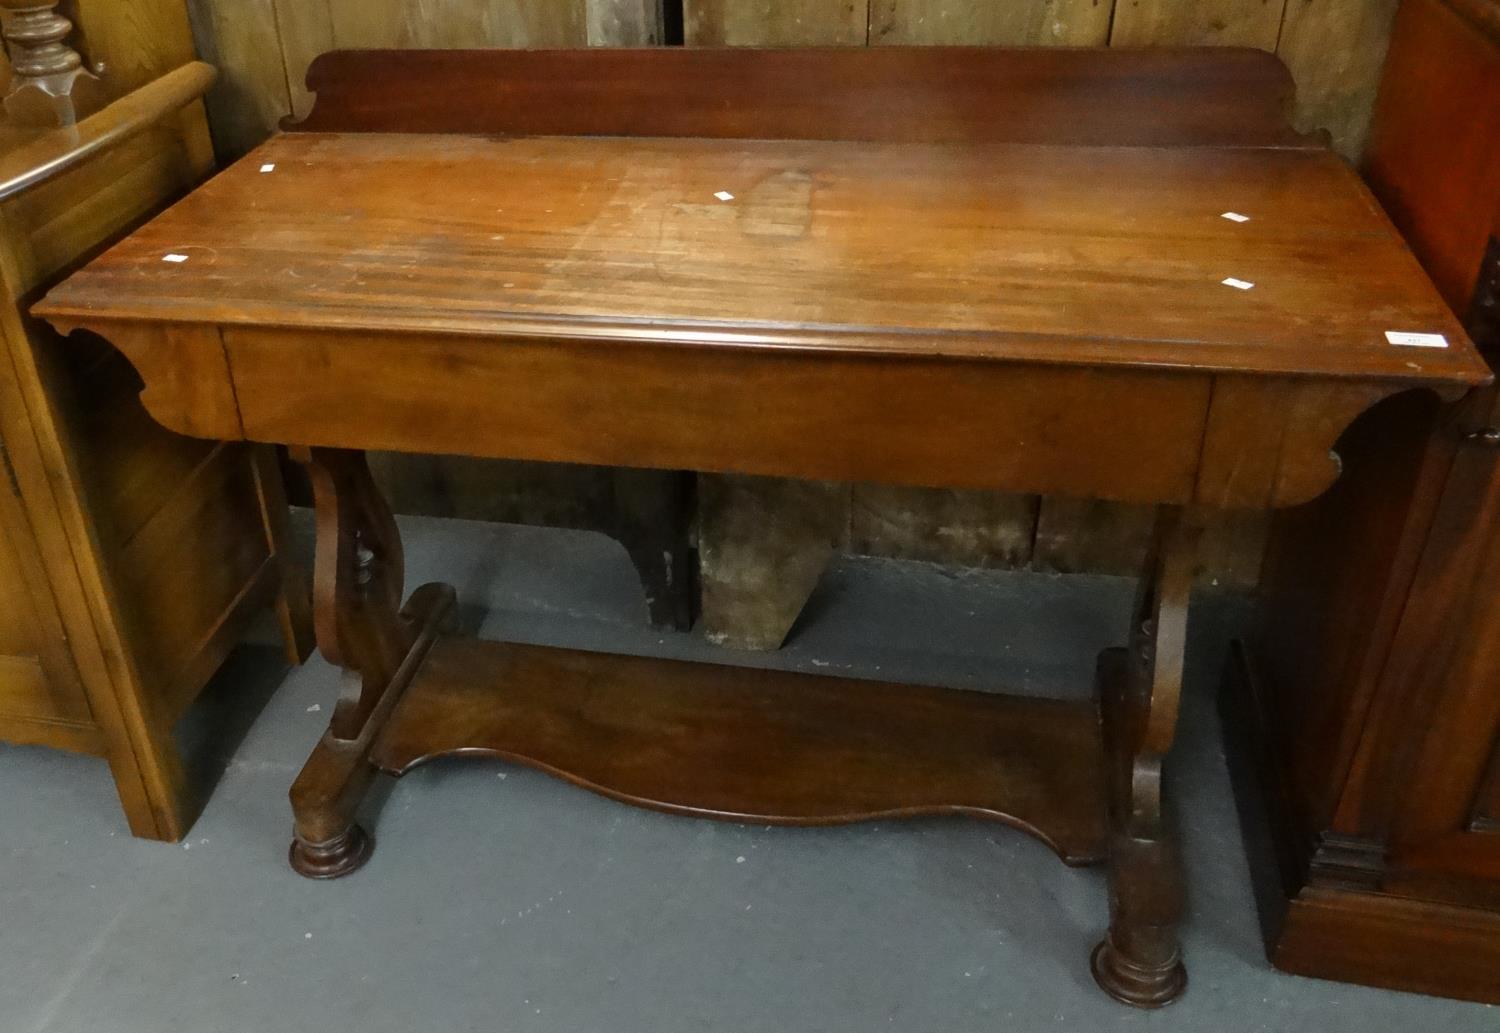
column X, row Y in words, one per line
column 1131, row 434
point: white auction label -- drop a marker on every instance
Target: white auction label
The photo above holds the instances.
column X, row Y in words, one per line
column 1235, row 217
column 1412, row 340
column 1241, row 285
column 174, row 258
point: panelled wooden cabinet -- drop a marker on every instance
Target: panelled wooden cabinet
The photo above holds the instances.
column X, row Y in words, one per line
column 131, row 559
column 1366, row 709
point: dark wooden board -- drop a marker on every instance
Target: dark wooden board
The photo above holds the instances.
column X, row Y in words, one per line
column 933, row 94
column 750, row 745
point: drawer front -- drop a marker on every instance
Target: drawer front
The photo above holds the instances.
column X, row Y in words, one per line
column 1131, row 436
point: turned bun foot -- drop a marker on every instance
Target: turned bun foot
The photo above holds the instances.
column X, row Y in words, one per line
column 1143, row 986
column 337, row 857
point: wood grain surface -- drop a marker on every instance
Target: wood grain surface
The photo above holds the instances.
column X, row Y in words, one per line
column 897, row 249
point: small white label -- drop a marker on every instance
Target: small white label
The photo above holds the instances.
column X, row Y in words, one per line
column 1241, row 285
column 724, row 195
column 174, row 258
column 1411, row 340
column 1235, row 217
column 269, row 166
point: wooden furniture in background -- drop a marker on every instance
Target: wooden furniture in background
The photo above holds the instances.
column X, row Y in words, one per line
column 49, row 86
column 131, row 558
column 1366, row 711
column 133, row 43
column 710, row 284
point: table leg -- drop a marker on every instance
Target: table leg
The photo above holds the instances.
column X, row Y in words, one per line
column 360, row 626
column 1140, row 961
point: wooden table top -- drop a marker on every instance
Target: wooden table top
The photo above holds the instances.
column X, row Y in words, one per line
column 1067, row 254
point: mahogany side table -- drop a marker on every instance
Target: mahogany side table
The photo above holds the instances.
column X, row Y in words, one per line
column 1099, row 273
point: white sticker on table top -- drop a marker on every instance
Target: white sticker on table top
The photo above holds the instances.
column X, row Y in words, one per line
column 175, row 258
column 1235, row 217
column 1414, row 340
column 724, row 195
column 1242, row 285
column 269, row 166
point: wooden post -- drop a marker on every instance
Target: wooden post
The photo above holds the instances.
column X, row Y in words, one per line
column 49, row 86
